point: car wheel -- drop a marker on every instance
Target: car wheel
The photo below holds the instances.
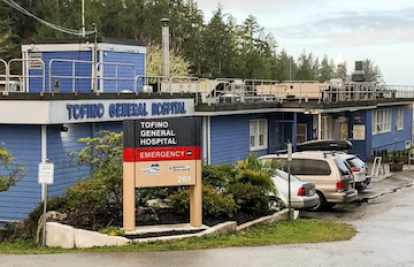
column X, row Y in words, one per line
column 321, row 203
column 276, row 204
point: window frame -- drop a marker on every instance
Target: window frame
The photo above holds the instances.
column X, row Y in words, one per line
column 400, row 119
column 259, row 124
column 381, row 121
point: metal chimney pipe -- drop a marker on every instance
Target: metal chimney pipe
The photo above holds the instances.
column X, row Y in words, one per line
column 165, row 47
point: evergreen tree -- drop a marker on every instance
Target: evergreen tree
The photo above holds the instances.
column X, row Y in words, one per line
column 306, row 67
column 341, row 70
column 327, row 71
column 372, row 71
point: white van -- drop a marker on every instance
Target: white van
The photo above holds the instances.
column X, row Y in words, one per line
column 331, row 174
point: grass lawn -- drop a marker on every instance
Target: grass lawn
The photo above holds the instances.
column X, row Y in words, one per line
column 296, row 232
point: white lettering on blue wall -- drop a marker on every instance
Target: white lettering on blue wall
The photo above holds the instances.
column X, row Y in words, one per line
column 123, row 110
column 168, row 108
column 127, row 110
column 88, row 111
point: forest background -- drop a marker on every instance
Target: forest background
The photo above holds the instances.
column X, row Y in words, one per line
column 220, row 47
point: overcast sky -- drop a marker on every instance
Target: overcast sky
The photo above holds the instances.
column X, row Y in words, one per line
column 381, row 30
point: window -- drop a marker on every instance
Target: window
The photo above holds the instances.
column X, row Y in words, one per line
column 307, row 167
column 400, row 119
column 326, row 127
column 258, row 135
column 381, row 121
column 301, row 133
column 343, row 167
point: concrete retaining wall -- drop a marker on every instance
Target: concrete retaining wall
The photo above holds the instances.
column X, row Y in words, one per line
column 60, row 235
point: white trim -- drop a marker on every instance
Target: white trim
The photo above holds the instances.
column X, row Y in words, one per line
column 400, row 120
column 57, row 47
column 395, row 104
column 101, row 71
column 204, row 129
column 270, row 110
column 56, row 112
column 123, row 48
column 84, row 47
column 257, row 134
column 385, row 122
column 319, row 126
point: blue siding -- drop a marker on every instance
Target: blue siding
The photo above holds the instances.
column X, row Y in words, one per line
column 230, row 138
column 24, row 142
column 361, row 147
column 59, row 145
column 109, row 126
column 64, row 69
column 111, row 71
column 394, row 140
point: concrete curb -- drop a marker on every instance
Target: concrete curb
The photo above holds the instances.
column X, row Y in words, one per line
column 220, row 229
column 278, row 216
column 64, row 236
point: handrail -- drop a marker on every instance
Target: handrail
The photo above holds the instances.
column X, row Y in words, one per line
column 116, row 72
column 6, row 70
column 145, row 78
column 66, row 77
column 24, row 76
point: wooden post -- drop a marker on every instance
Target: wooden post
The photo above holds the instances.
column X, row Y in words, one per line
column 129, row 196
column 196, row 205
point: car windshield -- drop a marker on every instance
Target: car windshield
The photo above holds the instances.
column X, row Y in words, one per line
column 284, row 176
column 355, row 162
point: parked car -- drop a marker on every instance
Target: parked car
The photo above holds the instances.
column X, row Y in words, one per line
column 303, row 194
column 331, row 174
column 359, row 170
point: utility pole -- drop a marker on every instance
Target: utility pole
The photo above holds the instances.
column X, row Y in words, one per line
column 83, row 18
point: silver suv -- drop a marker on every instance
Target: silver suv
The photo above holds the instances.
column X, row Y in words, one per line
column 359, row 170
column 331, row 174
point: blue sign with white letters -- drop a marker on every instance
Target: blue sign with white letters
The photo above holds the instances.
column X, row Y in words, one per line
column 125, row 109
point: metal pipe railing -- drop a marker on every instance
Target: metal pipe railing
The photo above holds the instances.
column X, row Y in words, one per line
column 73, row 68
column 116, row 78
column 146, row 79
column 26, row 76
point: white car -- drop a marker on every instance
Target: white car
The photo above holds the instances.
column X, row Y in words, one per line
column 303, row 194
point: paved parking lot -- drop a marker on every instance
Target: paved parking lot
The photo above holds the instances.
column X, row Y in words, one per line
column 370, row 199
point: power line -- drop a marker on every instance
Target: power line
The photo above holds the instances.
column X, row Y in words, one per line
column 16, row 6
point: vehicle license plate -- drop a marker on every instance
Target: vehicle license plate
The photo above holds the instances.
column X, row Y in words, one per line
column 311, row 192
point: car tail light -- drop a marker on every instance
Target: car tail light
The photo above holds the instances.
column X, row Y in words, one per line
column 340, row 186
column 302, row 192
column 355, row 169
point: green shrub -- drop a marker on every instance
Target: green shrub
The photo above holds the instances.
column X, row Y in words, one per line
column 214, row 204
column 217, row 176
column 250, row 199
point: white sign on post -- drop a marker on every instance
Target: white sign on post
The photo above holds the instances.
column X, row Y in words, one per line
column 289, row 151
column 46, row 173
